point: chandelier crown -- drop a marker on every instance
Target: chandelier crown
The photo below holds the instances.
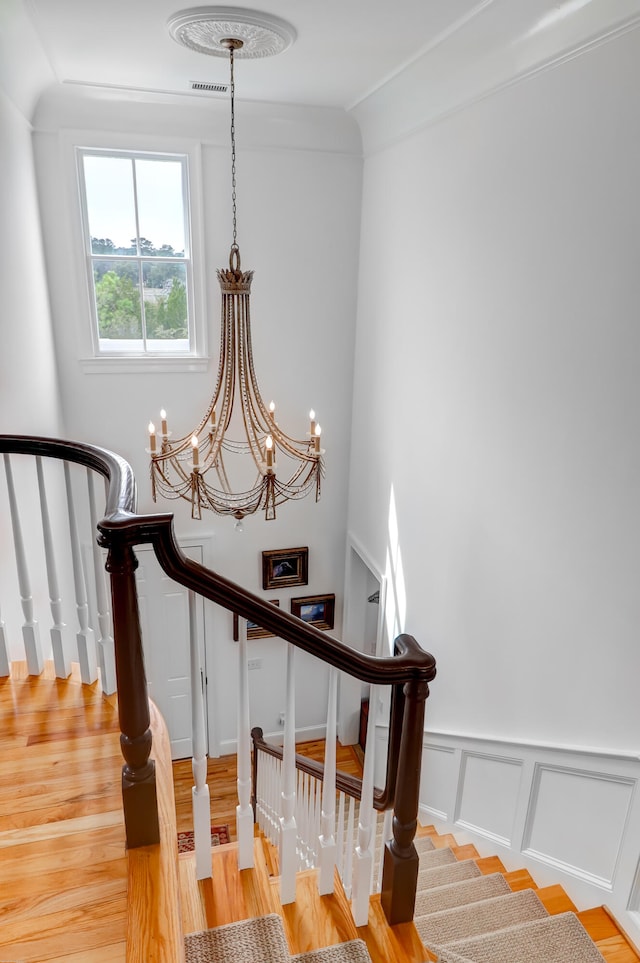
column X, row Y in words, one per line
column 232, row 279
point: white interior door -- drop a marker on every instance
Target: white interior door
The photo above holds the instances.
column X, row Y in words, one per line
column 164, row 617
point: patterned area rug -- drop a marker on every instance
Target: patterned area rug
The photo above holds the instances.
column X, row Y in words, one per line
column 219, row 836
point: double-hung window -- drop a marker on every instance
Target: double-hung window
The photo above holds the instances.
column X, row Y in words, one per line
column 135, row 208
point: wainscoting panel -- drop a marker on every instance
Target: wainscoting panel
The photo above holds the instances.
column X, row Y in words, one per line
column 584, row 835
column 569, row 815
column 488, row 792
column 438, row 780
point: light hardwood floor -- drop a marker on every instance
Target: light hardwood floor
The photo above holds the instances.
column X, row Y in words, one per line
column 63, row 866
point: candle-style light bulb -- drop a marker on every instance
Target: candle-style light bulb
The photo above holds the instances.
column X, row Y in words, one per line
column 163, row 416
column 316, row 439
column 152, row 436
column 272, row 410
column 312, row 419
column 196, row 453
column 268, row 442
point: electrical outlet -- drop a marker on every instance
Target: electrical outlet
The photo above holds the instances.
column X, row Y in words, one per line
column 254, row 664
column 281, row 719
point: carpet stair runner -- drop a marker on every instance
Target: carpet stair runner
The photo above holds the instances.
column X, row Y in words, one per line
column 465, row 917
column 263, row 940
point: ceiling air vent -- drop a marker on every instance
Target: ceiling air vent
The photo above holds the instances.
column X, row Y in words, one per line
column 212, row 88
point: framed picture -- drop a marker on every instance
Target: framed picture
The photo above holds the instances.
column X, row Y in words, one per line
column 318, row 610
column 285, row 566
column 254, row 631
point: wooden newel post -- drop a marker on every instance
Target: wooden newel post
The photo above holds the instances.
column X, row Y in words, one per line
column 400, row 867
column 139, row 797
column 256, row 734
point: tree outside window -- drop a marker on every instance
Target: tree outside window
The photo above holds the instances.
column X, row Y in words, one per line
column 136, row 225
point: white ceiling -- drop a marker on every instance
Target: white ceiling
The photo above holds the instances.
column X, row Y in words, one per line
column 344, row 48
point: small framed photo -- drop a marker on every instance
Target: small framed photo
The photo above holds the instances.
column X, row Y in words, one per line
column 285, row 566
column 254, row 631
column 318, row 610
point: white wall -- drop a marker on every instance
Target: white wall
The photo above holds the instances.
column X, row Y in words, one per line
column 28, row 385
column 29, row 402
column 495, row 460
column 299, row 187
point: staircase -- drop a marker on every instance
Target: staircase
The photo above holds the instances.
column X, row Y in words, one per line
column 469, row 909
column 70, row 892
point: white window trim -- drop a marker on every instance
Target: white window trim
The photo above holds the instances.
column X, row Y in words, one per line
column 89, row 359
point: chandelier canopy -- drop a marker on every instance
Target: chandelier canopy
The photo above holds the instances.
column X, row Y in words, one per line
column 201, row 466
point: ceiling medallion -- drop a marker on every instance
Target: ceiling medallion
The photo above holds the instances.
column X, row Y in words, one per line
column 204, row 29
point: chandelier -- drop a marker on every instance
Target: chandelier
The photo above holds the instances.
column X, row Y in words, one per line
column 207, row 467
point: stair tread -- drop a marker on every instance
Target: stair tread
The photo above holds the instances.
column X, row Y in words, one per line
column 436, row 857
column 475, row 919
column 354, row 951
column 450, row 873
column 439, row 898
column 424, row 844
column 258, row 940
column 555, row 939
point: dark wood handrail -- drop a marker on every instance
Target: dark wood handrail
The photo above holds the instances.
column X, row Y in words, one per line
column 121, row 491
column 410, row 663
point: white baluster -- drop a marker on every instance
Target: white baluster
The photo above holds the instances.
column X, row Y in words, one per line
column 310, row 819
column 340, row 836
column 363, row 856
column 5, row 667
column 317, row 811
column 386, row 834
column 300, row 814
column 244, row 810
column 327, row 842
column 267, row 798
column 275, row 799
column 61, row 660
column 106, row 648
column 264, row 786
column 259, row 789
column 348, row 846
column 85, row 637
column 287, row 820
column 30, row 631
column 200, row 791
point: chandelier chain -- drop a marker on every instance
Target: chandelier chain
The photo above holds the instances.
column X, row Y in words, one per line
column 233, row 152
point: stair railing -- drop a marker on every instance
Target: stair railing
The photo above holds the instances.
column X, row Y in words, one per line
column 346, row 840
column 409, row 671
column 328, row 840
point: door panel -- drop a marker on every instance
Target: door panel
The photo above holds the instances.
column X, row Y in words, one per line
column 164, row 617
